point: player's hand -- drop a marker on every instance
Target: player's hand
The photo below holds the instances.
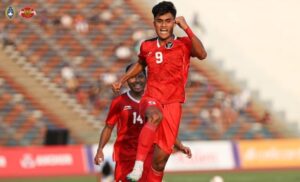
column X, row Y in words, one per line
column 116, row 87
column 99, row 157
column 186, row 150
column 180, row 21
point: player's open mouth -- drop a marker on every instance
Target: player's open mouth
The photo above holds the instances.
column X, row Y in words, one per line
column 163, row 31
column 138, row 86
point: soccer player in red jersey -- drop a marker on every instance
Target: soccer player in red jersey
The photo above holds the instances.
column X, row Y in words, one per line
column 124, row 111
column 167, row 58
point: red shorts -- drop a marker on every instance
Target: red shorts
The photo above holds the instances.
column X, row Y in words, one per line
column 167, row 130
column 123, row 168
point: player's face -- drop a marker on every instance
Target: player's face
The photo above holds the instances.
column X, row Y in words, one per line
column 164, row 25
column 137, row 84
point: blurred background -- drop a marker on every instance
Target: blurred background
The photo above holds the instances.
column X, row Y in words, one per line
column 57, row 66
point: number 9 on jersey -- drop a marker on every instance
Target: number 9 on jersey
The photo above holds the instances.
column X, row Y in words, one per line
column 159, row 57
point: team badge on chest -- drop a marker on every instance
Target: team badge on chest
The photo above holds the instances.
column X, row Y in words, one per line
column 169, row 45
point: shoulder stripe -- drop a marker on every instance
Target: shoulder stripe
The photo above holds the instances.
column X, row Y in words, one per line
column 133, row 99
column 152, row 39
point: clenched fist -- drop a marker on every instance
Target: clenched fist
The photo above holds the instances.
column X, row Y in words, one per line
column 180, row 21
column 116, row 87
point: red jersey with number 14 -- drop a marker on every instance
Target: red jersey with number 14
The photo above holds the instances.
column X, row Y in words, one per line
column 167, row 68
column 124, row 111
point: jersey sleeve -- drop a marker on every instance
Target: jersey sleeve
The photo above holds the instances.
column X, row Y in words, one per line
column 113, row 113
column 188, row 45
column 142, row 54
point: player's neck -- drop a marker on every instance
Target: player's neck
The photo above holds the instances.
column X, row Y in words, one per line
column 163, row 42
column 136, row 95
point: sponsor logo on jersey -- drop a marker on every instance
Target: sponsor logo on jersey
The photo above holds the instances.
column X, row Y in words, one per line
column 10, row 12
column 127, row 108
column 169, row 45
column 27, row 12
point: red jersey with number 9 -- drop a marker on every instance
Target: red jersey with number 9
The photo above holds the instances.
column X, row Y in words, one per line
column 167, row 68
column 124, row 111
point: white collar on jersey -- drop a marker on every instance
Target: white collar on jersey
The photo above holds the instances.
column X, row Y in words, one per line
column 133, row 99
column 157, row 41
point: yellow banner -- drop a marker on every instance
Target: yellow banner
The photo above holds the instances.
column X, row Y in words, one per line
column 269, row 153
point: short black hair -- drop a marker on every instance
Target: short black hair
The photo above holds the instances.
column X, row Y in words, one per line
column 163, row 8
column 130, row 65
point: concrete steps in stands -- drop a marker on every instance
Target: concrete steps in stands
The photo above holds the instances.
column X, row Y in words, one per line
column 79, row 128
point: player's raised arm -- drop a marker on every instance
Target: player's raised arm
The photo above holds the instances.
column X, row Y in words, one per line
column 104, row 138
column 132, row 72
column 197, row 46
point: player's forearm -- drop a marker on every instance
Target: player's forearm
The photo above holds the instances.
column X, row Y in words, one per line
column 105, row 136
column 198, row 49
column 178, row 144
column 132, row 72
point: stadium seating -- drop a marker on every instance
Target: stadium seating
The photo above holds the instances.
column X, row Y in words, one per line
column 23, row 120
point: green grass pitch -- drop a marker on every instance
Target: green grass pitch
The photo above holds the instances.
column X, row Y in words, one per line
column 245, row 176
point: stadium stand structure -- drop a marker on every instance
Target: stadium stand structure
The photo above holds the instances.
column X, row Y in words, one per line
column 23, row 120
column 47, row 47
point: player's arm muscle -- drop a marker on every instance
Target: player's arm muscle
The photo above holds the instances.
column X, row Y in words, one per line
column 198, row 49
column 105, row 136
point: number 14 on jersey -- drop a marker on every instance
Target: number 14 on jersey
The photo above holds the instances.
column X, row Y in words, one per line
column 137, row 118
